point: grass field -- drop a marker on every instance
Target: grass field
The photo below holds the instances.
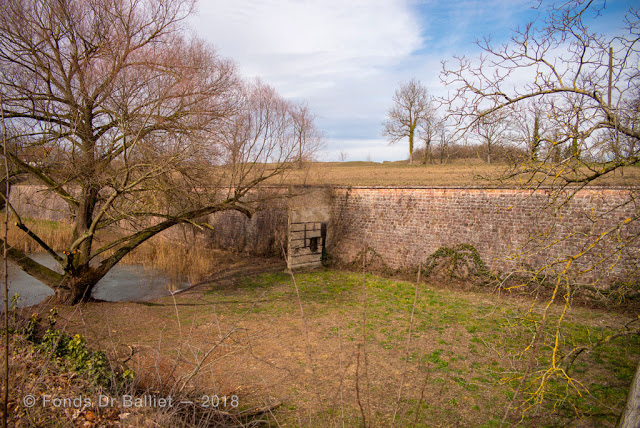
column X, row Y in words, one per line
column 458, row 172
column 337, row 355
column 340, row 349
column 466, row 172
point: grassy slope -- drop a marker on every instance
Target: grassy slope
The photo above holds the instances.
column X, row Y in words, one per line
column 465, row 348
column 465, row 172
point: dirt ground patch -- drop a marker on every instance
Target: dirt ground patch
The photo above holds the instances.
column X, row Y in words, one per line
column 333, row 348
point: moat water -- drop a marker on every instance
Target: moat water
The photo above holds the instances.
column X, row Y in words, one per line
column 121, row 283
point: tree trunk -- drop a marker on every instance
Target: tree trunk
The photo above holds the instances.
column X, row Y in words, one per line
column 84, row 217
column 427, row 152
column 630, row 417
column 76, row 289
column 411, row 146
column 66, row 296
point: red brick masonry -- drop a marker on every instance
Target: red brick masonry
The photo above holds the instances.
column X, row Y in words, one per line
column 404, row 225
column 507, row 226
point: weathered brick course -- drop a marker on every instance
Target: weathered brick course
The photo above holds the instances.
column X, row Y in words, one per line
column 508, row 227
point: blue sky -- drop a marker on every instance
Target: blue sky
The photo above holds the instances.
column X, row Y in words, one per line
column 347, row 57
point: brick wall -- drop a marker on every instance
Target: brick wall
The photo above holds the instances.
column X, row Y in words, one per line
column 404, row 225
column 508, row 227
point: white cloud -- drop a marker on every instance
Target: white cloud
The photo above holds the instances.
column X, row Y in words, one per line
column 347, row 57
column 306, row 46
column 335, row 54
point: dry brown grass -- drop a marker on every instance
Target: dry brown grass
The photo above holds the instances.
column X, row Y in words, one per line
column 189, row 261
column 466, row 172
column 180, row 261
column 56, row 234
column 50, row 389
column 464, row 345
column 392, row 174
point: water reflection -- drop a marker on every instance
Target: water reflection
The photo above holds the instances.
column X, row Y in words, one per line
column 122, row 283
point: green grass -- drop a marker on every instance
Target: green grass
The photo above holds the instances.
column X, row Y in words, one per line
column 466, row 351
column 473, row 346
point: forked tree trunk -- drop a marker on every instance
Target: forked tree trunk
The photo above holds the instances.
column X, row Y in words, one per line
column 630, row 417
column 67, row 296
column 76, row 289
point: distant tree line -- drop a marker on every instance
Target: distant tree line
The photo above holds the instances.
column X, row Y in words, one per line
column 540, row 129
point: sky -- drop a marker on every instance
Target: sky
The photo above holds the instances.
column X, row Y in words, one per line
column 346, row 58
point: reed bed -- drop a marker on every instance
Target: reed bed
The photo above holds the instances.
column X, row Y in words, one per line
column 184, row 261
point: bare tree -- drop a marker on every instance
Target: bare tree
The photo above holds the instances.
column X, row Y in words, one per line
column 265, row 136
column 570, row 70
column 309, row 138
column 444, row 148
column 411, row 113
column 139, row 117
column 492, row 131
column 431, row 132
column 342, row 156
column 588, row 84
column 529, row 128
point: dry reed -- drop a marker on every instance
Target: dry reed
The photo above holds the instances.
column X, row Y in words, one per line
column 190, row 261
column 56, row 234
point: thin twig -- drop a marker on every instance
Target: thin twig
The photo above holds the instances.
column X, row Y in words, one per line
column 364, row 418
column 306, row 334
column 364, row 330
column 534, row 353
column 5, row 232
column 424, row 387
column 199, row 365
column 342, row 378
column 406, row 358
